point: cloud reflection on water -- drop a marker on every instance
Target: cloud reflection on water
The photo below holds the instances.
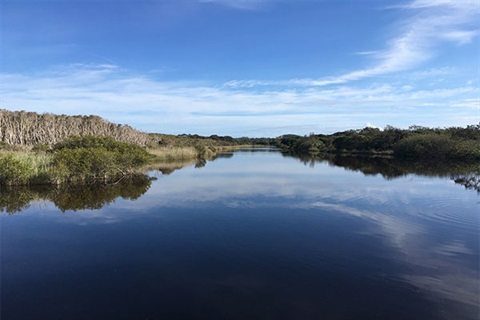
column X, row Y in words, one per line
column 408, row 214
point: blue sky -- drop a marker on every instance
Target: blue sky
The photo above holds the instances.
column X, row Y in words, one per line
column 245, row 67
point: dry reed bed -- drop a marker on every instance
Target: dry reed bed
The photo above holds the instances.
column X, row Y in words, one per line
column 169, row 154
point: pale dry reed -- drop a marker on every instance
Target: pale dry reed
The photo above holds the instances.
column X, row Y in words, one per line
column 170, row 154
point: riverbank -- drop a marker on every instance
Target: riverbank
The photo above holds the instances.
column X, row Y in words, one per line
column 83, row 160
column 416, row 143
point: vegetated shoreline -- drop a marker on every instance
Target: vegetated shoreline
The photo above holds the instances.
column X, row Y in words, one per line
column 416, row 143
column 91, row 160
column 88, row 149
column 74, row 197
column 58, row 149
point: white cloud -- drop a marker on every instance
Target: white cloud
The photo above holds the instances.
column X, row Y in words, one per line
column 432, row 23
column 415, row 44
column 240, row 4
column 193, row 107
column 369, row 125
column 430, row 264
column 462, row 4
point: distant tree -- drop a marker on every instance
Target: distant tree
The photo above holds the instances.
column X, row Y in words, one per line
column 30, row 128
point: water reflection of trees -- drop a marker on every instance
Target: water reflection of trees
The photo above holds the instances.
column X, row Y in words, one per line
column 469, row 181
column 74, row 197
column 465, row 173
column 167, row 168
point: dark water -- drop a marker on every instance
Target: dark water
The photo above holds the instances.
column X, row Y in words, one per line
column 256, row 235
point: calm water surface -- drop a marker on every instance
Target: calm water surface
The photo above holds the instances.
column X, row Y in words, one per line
column 256, row 235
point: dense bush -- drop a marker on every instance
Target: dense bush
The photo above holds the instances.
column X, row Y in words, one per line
column 306, row 144
column 74, row 160
column 92, row 157
column 466, row 149
column 433, row 145
column 415, row 142
column 312, row 144
column 424, row 145
column 41, row 148
column 13, row 171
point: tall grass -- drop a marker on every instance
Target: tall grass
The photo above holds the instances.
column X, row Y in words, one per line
column 22, row 168
column 171, row 154
column 79, row 159
column 39, row 162
column 174, row 154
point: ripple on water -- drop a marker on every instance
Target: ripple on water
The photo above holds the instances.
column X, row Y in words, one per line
column 456, row 210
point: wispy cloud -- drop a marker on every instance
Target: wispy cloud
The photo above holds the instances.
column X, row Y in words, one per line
column 463, row 4
column 240, row 4
column 431, row 23
column 177, row 107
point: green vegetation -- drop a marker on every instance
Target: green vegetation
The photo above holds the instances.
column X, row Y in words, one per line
column 96, row 158
column 57, row 149
column 173, row 154
column 21, row 168
column 195, row 140
column 89, row 159
column 78, row 159
column 73, row 197
column 415, row 142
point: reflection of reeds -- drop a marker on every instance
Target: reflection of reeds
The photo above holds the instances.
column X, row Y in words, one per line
column 170, row 159
column 168, row 167
column 170, row 154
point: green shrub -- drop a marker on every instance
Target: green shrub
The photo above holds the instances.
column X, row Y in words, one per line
column 40, row 148
column 204, row 152
column 92, row 157
column 82, row 163
column 311, row 144
column 425, row 145
column 466, row 149
column 126, row 154
column 13, row 171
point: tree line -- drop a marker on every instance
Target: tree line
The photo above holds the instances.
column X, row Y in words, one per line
column 31, row 128
column 414, row 142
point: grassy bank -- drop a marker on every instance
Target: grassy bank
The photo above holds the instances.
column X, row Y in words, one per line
column 75, row 160
column 81, row 160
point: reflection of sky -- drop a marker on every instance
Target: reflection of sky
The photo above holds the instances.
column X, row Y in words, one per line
column 431, row 223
